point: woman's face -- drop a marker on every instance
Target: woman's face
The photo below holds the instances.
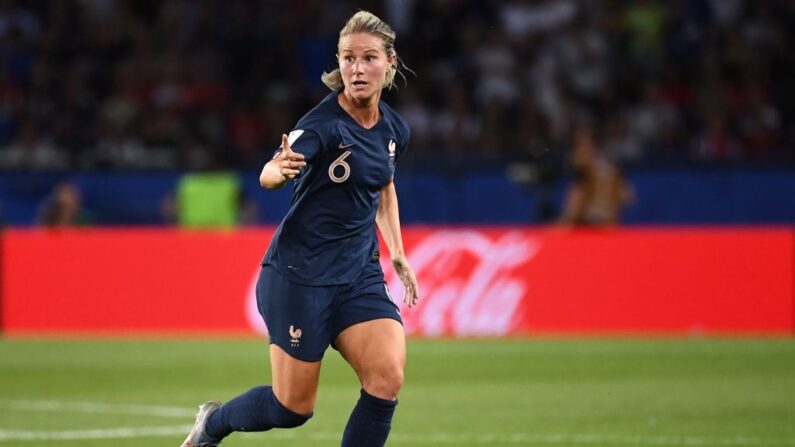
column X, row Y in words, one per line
column 363, row 64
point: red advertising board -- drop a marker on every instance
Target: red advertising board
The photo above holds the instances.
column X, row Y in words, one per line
column 474, row 281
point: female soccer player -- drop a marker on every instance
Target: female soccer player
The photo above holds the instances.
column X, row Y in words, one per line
column 321, row 282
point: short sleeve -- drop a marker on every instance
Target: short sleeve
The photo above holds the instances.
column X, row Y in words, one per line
column 305, row 142
column 404, row 141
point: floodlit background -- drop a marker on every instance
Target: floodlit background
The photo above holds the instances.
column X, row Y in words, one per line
column 598, row 199
column 693, row 100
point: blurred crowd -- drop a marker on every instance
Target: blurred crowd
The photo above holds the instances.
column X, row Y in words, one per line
column 145, row 84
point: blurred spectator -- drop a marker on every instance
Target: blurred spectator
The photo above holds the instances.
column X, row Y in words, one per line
column 32, row 149
column 178, row 84
column 63, row 208
column 211, row 199
column 599, row 192
column 715, row 142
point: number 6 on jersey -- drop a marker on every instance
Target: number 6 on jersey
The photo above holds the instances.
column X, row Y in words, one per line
column 345, row 166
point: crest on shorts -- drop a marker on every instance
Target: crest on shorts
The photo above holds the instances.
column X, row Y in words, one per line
column 295, row 336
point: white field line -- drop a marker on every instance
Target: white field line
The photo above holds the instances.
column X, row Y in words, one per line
column 98, row 407
column 402, row 438
column 108, row 433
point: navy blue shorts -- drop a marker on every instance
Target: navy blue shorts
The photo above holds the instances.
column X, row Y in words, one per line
column 305, row 320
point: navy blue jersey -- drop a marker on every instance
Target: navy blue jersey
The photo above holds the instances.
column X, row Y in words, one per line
column 329, row 234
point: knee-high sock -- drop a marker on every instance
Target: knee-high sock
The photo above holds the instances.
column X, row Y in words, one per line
column 370, row 422
column 254, row 410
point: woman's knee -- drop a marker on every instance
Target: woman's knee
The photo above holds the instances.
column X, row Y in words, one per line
column 297, row 401
column 284, row 417
column 384, row 382
column 295, row 382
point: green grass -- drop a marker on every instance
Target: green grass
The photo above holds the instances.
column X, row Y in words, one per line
column 681, row 392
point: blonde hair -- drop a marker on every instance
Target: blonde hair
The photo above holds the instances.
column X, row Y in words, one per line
column 368, row 23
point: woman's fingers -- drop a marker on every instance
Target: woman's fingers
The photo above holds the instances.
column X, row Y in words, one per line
column 286, row 144
column 290, row 163
column 293, row 164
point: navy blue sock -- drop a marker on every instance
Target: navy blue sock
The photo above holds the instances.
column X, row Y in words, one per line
column 370, row 422
column 254, row 410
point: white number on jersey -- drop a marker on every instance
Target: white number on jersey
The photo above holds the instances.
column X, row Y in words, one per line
column 345, row 166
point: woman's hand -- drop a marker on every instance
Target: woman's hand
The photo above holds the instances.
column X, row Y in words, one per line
column 290, row 163
column 411, row 292
column 284, row 166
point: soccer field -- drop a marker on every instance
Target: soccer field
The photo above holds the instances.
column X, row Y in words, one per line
column 539, row 392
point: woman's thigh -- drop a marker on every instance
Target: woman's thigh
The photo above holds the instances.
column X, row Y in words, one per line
column 376, row 350
column 294, row 381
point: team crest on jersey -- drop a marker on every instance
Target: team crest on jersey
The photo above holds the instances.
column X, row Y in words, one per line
column 295, row 336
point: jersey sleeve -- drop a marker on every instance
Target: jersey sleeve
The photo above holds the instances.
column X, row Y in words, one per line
column 304, row 142
column 404, row 140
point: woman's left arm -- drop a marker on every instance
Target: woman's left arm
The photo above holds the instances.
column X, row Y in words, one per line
column 388, row 220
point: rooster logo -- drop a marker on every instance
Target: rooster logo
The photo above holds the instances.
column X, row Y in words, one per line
column 295, row 335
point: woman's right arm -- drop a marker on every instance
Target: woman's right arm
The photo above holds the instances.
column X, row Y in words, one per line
column 285, row 166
